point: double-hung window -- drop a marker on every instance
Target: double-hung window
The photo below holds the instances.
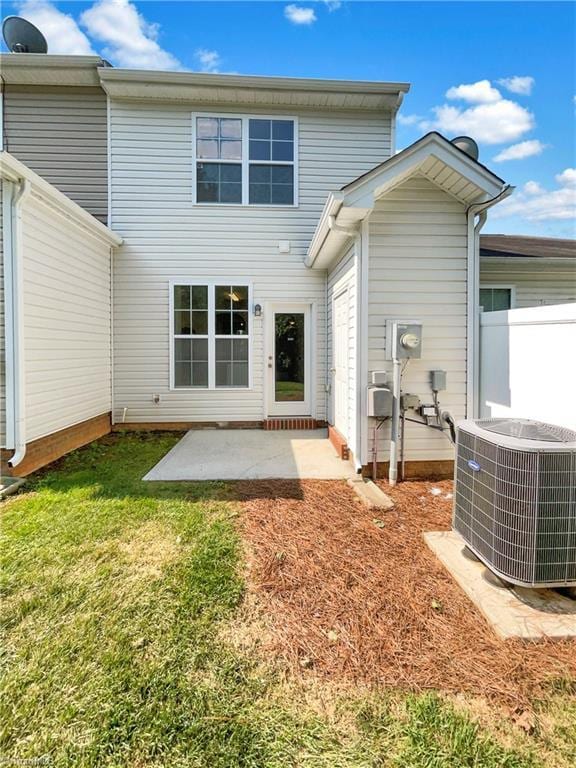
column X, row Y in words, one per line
column 211, row 336
column 245, row 160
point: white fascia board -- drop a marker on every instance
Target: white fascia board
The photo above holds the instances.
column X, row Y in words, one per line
column 15, row 171
column 250, row 90
column 48, row 69
column 331, row 208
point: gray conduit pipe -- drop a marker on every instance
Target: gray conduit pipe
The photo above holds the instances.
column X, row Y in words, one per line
column 395, row 427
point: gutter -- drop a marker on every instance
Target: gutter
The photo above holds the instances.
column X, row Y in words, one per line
column 330, row 212
column 13, row 287
column 473, row 282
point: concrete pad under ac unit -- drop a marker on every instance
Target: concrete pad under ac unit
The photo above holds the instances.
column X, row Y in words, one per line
column 529, row 614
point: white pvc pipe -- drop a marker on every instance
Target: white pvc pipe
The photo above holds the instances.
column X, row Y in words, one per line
column 395, row 426
column 17, row 301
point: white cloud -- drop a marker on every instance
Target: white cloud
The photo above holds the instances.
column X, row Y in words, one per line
column 209, row 60
column 517, row 84
column 533, row 188
column 481, row 92
column 520, row 151
column 298, row 15
column 61, row 31
column 130, row 40
column 333, row 5
column 533, row 203
column 567, row 178
column 408, row 119
column 494, row 123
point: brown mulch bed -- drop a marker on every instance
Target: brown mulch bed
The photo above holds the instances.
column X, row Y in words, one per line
column 353, row 594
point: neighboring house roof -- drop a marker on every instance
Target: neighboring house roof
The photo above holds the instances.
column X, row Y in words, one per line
column 519, row 246
column 432, row 156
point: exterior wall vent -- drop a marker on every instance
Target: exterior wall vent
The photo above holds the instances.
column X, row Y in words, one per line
column 515, row 499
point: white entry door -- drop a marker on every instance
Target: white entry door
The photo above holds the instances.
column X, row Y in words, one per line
column 289, row 360
column 341, row 363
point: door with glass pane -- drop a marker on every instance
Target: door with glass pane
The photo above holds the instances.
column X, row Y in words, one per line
column 288, row 360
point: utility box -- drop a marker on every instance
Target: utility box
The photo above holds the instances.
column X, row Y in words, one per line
column 379, row 378
column 403, row 339
column 437, row 381
column 379, row 402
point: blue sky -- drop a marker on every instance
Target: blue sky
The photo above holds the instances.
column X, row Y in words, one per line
column 501, row 72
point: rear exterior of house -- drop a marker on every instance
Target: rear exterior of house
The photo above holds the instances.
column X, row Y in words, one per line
column 269, row 232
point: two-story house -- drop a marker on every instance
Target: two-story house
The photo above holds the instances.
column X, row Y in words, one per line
column 268, row 231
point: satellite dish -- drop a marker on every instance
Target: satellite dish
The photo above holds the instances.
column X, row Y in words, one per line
column 22, row 37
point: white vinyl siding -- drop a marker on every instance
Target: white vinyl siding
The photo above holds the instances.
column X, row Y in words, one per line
column 417, row 271
column 342, row 277
column 2, row 330
column 167, row 237
column 66, row 322
column 61, row 133
column 536, row 282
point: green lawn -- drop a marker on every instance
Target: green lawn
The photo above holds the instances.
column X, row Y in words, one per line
column 118, row 599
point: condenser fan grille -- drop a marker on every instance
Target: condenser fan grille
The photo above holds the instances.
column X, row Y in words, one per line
column 526, row 429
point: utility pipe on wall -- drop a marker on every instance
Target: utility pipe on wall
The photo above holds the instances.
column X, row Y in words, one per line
column 395, row 425
column 14, row 284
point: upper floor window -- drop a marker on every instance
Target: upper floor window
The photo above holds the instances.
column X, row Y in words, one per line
column 494, row 298
column 245, row 160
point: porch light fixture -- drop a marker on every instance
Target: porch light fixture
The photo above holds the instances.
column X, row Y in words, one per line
column 257, row 310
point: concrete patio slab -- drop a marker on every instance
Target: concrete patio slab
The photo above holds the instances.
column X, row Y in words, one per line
column 529, row 614
column 252, row 454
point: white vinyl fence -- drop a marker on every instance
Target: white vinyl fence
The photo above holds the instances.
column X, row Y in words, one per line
column 528, row 364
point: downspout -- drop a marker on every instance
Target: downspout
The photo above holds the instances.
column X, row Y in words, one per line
column 473, row 276
column 15, row 301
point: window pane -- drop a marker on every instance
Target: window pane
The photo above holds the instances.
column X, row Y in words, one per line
column 231, row 173
column 207, row 148
column 486, row 299
column 223, row 374
column 223, row 327
column 240, row 374
column 283, row 129
column 230, row 128
column 207, row 193
column 199, row 374
column 282, row 194
column 223, row 350
column 207, row 127
column 260, row 174
column 230, row 193
column 182, row 297
column 240, row 350
column 182, row 349
column 240, row 323
column 501, row 298
column 222, row 296
column 240, row 296
column 200, row 296
column 182, row 374
column 282, row 150
column 182, row 322
column 259, row 129
column 200, row 322
column 200, row 350
column 231, row 150
column 208, row 172
column 282, row 174
column 260, row 194
column 259, row 150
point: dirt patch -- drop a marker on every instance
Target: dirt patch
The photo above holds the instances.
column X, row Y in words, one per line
column 350, row 597
column 149, row 550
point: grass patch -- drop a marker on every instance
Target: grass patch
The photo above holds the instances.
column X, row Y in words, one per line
column 116, row 599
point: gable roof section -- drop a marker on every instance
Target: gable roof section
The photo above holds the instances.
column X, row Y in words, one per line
column 432, row 156
column 519, row 246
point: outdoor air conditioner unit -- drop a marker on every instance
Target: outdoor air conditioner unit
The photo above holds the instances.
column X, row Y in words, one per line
column 515, row 499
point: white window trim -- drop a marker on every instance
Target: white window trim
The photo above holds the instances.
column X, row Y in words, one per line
column 245, row 162
column 211, row 333
column 507, row 286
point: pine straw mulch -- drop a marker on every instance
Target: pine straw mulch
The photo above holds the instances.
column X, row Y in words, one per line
column 356, row 595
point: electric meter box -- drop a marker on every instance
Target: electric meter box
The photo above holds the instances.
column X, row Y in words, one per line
column 379, row 402
column 403, row 339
